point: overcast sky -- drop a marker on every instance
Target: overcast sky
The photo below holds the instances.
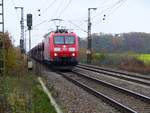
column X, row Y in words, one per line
column 121, row 16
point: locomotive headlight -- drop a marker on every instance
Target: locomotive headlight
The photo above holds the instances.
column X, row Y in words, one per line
column 71, row 49
column 56, row 49
column 73, row 54
column 55, row 54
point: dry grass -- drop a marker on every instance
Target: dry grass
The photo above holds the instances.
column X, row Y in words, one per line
column 135, row 65
column 25, row 95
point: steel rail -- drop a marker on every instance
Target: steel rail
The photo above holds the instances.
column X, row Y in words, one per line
column 116, row 75
column 118, row 71
column 118, row 88
column 122, row 108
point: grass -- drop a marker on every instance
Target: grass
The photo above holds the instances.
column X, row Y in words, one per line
column 41, row 102
column 144, row 57
column 129, row 61
column 25, row 95
column 119, row 56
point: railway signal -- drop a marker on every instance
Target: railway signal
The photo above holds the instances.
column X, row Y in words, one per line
column 29, row 21
column 29, row 24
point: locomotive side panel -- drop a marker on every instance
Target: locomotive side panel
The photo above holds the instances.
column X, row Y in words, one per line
column 46, row 49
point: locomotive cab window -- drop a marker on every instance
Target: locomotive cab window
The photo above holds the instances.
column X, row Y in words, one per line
column 59, row 39
column 64, row 39
column 69, row 40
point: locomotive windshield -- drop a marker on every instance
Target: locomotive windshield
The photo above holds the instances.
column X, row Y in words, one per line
column 69, row 40
column 59, row 40
column 64, row 39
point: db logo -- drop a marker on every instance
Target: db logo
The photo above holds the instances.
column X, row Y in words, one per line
column 64, row 49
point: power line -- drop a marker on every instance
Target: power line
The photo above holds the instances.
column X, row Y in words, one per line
column 65, row 8
column 79, row 21
column 50, row 5
column 13, row 3
column 77, row 26
column 108, row 8
column 115, row 7
column 40, row 23
column 39, row 9
column 58, row 8
column 44, row 11
column 111, row 9
column 47, row 9
column 103, row 3
column 61, row 12
column 100, row 7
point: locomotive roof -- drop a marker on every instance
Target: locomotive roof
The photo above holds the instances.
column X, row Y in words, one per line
column 59, row 31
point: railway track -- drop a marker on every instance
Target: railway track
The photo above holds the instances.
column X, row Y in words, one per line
column 136, row 78
column 122, row 99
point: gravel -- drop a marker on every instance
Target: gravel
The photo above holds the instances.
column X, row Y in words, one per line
column 123, row 98
column 145, row 90
column 73, row 99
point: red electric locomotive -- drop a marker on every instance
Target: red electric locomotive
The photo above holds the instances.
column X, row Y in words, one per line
column 59, row 48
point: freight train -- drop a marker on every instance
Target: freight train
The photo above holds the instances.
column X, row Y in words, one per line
column 59, row 49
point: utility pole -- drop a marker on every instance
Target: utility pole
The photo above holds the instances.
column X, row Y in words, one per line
column 25, row 40
column 22, row 29
column 89, row 39
column 2, row 40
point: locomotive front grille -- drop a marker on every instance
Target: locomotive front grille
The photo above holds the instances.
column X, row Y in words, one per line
column 65, row 61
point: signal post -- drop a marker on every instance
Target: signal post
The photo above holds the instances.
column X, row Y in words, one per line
column 29, row 25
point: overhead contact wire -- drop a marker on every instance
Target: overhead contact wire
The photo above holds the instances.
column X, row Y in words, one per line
column 50, row 5
column 111, row 9
column 65, row 8
column 77, row 26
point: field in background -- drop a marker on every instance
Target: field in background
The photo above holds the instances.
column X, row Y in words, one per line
column 118, row 57
column 129, row 61
column 145, row 58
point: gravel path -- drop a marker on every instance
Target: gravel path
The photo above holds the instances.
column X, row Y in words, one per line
column 145, row 90
column 73, row 99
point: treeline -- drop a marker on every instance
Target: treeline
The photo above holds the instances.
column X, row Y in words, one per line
column 134, row 41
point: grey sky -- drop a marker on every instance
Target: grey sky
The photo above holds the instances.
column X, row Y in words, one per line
column 128, row 16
